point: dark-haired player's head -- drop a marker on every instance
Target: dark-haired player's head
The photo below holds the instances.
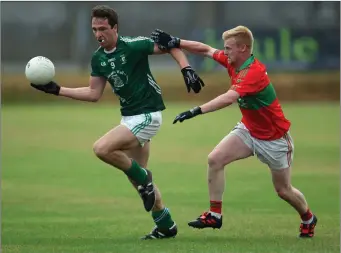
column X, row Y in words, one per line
column 104, row 21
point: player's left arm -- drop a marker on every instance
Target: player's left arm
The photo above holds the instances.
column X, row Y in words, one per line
column 180, row 57
column 177, row 54
column 157, row 50
column 220, row 102
column 191, row 78
column 247, row 85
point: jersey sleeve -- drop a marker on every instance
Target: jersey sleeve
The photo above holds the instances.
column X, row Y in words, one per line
column 221, row 58
column 142, row 45
column 95, row 67
column 248, row 82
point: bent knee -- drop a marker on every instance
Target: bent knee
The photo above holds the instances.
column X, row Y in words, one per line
column 284, row 192
column 218, row 160
column 100, row 149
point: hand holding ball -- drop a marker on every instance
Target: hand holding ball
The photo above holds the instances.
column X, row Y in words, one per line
column 40, row 72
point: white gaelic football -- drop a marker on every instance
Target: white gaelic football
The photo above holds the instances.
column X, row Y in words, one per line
column 40, row 70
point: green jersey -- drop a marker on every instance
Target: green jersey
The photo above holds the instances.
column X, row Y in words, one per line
column 127, row 70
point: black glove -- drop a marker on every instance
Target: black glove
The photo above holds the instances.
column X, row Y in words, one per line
column 188, row 114
column 164, row 40
column 51, row 87
column 192, row 80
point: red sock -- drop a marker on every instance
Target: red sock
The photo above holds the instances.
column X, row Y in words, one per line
column 307, row 215
column 215, row 206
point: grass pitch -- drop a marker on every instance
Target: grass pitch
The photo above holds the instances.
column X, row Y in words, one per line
column 58, row 197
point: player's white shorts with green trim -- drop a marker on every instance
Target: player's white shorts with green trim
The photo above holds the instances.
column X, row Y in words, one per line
column 143, row 126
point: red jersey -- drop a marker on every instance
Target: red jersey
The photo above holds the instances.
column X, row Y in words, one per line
column 258, row 103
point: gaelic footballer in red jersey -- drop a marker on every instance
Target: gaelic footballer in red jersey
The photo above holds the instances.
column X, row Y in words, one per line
column 258, row 103
column 263, row 130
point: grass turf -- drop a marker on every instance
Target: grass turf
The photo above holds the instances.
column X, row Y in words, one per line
column 58, row 197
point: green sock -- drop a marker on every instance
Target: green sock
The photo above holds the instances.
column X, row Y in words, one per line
column 136, row 173
column 163, row 218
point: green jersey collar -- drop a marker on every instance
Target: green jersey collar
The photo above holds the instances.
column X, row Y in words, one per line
column 111, row 51
column 246, row 63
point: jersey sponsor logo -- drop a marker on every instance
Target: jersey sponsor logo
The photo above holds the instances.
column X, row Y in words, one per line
column 118, row 79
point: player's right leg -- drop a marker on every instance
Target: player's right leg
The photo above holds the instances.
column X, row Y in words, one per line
column 165, row 227
column 278, row 155
column 235, row 146
column 109, row 149
column 282, row 183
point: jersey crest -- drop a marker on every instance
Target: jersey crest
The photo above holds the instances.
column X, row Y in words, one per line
column 118, row 78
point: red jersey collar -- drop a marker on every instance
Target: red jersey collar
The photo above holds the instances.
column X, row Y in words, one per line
column 246, row 63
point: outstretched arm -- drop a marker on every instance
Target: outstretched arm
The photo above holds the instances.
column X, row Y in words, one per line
column 92, row 93
column 218, row 103
column 196, row 47
column 168, row 41
column 247, row 85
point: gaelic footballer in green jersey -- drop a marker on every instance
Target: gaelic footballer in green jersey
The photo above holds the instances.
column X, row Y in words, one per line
column 126, row 68
column 263, row 130
column 123, row 63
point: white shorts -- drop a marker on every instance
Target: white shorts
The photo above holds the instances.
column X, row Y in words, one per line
column 143, row 126
column 277, row 154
